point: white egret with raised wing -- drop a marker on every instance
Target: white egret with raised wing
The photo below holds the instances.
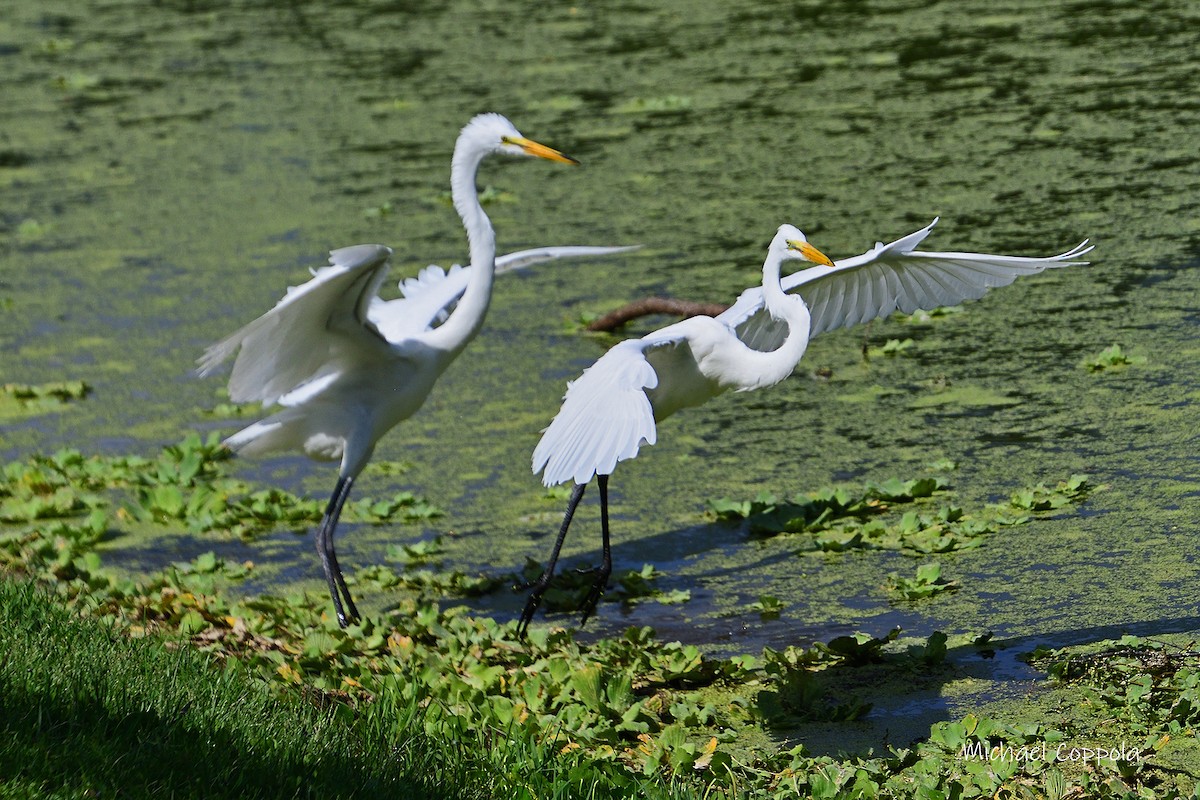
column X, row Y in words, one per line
column 613, row 408
column 346, row 366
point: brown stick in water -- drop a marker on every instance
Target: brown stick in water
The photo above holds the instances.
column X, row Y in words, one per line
column 653, row 305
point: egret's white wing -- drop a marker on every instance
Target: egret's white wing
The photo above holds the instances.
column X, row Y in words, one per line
column 605, row 416
column 430, row 296
column 289, row 344
column 435, row 282
column 526, row 258
column 886, row 278
column 285, row 349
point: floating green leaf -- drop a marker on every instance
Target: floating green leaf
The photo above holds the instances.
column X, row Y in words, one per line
column 1111, row 357
column 927, row 583
column 21, row 399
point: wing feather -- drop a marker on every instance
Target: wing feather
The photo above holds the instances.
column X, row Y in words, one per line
column 525, row 258
column 285, row 353
column 887, row 278
column 289, row 344
column 431, row 296
column 605, row 417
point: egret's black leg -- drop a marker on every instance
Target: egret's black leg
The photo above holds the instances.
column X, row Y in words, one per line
column 333, row 573
column 589, row 605
column 540, row 586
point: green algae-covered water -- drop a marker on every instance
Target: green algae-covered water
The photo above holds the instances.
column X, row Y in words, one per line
column 166, row 170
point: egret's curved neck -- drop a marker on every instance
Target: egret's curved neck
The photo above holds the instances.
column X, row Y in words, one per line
column 462, row 325
column 789, row 309
column 744, row 368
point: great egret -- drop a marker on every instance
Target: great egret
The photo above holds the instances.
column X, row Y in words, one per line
column 346, row 366
column 611, row 410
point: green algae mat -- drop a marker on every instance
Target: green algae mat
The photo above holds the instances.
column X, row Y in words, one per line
column 953, row 553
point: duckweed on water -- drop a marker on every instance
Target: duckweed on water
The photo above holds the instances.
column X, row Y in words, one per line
column 20, row 400
column 834, row 520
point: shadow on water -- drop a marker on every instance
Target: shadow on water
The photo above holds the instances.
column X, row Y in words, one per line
column 905, row 703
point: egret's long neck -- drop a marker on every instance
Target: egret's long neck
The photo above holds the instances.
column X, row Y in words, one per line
column 462, row 325
column 737, row 365
column 789, row 309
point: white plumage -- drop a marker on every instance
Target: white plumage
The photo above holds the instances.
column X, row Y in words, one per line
column 612, row 409
column 662, row 367
column 346, row 366
column 886, row 278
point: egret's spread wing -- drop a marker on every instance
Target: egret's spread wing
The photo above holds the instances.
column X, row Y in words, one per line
column 526, row 258
column 431, row 295
column 887, row 278
column 605, row 417
column 435, row 282
column 290, row 344
column 896, row 277
column 428, row 298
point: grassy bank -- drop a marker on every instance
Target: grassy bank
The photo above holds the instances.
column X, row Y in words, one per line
column 86, row 711
column 177, row 683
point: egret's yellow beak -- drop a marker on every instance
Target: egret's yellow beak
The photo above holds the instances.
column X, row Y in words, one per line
column 810, row 253
column 540, row 150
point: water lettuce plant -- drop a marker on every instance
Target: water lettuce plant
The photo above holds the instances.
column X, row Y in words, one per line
column 186, row 483
column 892, row 515
column 890, row 349
column 630, row 715
column 927, row 583
column 1111, row 357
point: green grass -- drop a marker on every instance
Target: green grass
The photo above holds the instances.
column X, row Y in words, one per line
column 88, row 712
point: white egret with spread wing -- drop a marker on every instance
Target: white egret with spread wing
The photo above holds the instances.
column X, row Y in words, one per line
column 612, row 409
column 347, row 366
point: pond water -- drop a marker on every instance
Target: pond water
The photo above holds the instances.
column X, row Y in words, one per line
column 167, row 169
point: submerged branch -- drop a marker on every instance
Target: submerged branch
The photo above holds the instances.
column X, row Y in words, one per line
column 653, row 305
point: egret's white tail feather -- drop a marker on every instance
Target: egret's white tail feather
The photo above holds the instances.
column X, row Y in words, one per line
column 262, row 437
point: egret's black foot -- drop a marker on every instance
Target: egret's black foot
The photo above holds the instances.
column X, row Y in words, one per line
column 345, row 619
column 537, row 590
column 352, row 609
column 343, row 601
column 526, row 586
column 598, row 588
column 540, row 586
